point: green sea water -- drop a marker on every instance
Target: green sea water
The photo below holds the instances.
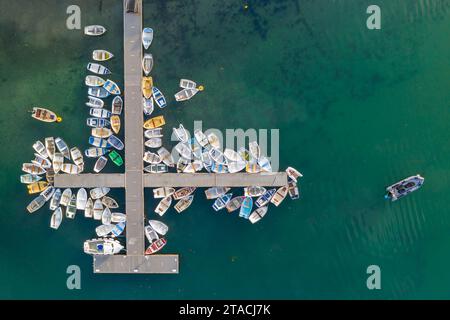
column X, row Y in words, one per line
column 357, row 110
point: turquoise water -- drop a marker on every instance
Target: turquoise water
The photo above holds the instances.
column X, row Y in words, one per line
column 356, row 109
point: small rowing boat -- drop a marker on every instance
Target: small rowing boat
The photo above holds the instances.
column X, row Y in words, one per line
column 154, row 122
column 153, row 133
column 148, row 106
column 163, row 192
column 213, row 140
column 71, row 209
column 65, row 197
column 153, row 143
column 39, row 147
column 265, row 198
column 70, row 168
column 147, row 63
column 104, row 229
column 183, row 192
column 97, row 122
column 117, row 105
column 147, row 85
column 94, row 30
column 156, row 168
column 81, row 199
column 100, row 113
column 163, row 205
column 184, row 150
column 50, row 147
column 97, row 68
column 106, row 216
column 89, row 209
column 44, row 115
column 254, row 191
column 29, row 178
column 115, row 142
column 111, row 87
column 279, row 195
column 235, row 203
column 115, row 123
column 77, row 157
column 246, row 208
column 110, row 203
column 166, row 157
column 159, row 98
column 99, row 192
column 98, row 92
column 118, row 229
column 185, row 94
column 98, row 142
column 101, row 55
column 36, row 204
column 118, row 217
column 293, row 174
column 184, row 203
column 97, row 210
column 94, row 81
column 95, row 152
column 115, row 158
column 159, row 226
column 201, row 138
column 187, row 84
column 58, row 160
column 237, row 166
column 258, row 214
column 32, row 168
column 56, row 219
column 62, row 147
column 100, row 164
column 37, row 187
column 150, row 234
column 41, row 161
column 94, row 102
column 101, row 132
column 215, row 192
column 181, row 133
column 151, row 158
column 156, row 246
column 147, row 37
column 222, row 201
column 232, row 155
column 404, row 187
column 293, row 190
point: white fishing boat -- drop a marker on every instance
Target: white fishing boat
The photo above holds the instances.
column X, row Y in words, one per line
column 111, row 87
column 77, row 157
column 117, row 105
column 185, row 94
column 265, row 198
column 41, row 161
column 293, row 174
column 187, row 84
column 147, row 63
column 71, row 209
column 55, row 200
column 94, row 30
column 279, row 195
column 215, row 192
column 58, row 160
column 148, row 106
column 159, row 227
column 234, row 167
column 101, row 55
column 117, row 217
column 97, row 68
column 232, row 155
column 89, row 208
column 293, row 190
column 147, row 37
column 56, row 219
column 81, row 199
column 184, row 203
column 98, row 92
column 99, row 192
column 254, row 191
column 100, row 164
column 194, row 166
column 62, row 147
column 65, row 197
column 163, row 192
column 153, row 133
column 101, row 132
column 153, row 143
column 184, row 150
column 70, row 168
column 257, row 215
column 104, row 229
column 99, row 113
column 181, row 133
column 150, row 234
column 163, row 205
column 104, row 246
column 255, row 150
column 29, row 178
column 183, row 192
column 213, row 140
column 264, row 164
column 151, row 158
column 156, row 168
column 166, row 157
column 95, row 152
column 98, row 209
column 201, row 138
column 106, row 216
column 110, row 202
column 39, row 147
column 36, row 204
column 94, row 81
column 50, row 147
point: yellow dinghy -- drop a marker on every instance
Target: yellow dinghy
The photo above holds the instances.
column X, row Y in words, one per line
column 155, row 122
column 147, row 85
column 115, row 123
column 44, row 115
column 37, row 187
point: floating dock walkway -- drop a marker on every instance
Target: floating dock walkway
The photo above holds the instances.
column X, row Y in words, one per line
column 134, row 180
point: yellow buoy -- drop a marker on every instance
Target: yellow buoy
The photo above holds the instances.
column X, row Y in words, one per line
column 58, row 119
column 201, row 88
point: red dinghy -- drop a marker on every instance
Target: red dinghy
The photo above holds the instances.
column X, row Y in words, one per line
column 156, row 246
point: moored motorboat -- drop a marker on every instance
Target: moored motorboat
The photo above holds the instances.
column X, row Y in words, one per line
column 163, row 205
column 97, row 68
column 147, row 63
column 56, row 219
column 100, row 164
column 404, row 187
column 184, row 203
column 159, row 226
column 156, row 246
column 258, row 214
column 81, row 199
column 279, row 195
column 222, row 201
column 44, row 115
column 117, row 105
column 159, row 98
column 147, row 37
column 94, row 30
column 101, row 55
column 246, row 208
column 154, row 122
column 103, row 246
column 99, row 192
